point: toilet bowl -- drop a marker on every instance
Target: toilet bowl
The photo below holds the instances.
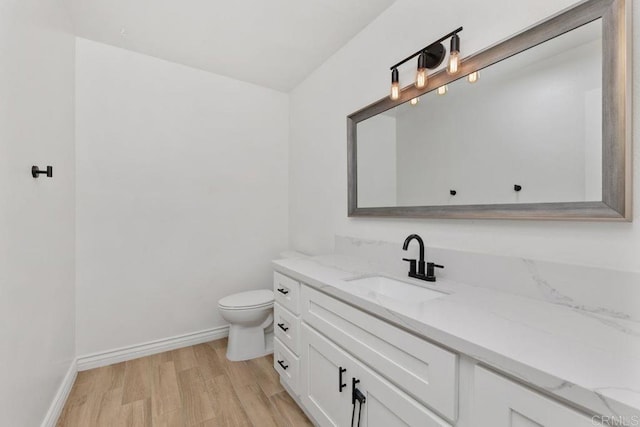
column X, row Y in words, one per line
column 250, row 315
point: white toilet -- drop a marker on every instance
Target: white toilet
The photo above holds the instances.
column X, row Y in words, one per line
column 250, row 315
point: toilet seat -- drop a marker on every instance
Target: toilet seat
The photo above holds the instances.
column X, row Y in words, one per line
column 247, row 300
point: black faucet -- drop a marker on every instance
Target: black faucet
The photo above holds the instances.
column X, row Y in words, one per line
column 429, row 276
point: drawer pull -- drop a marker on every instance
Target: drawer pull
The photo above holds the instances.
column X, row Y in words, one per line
column 283, row 291
column 281, row 363
column 340, row 384
column 281, row 325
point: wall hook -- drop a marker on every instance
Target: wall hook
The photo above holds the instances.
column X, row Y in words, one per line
column 517, row 187
column 35, row 171
column 453, row 192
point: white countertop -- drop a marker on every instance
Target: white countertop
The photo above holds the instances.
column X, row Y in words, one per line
column 589, row 359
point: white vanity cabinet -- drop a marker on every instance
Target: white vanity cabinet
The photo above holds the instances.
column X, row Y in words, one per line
column 323, row 344
column 500, row 402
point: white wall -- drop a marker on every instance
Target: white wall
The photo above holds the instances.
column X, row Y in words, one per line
column 181, row 195
column 36, row 215
column 358, row 75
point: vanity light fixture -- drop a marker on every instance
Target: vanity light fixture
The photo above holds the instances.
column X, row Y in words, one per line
column 454, row 55
column 442, row 90
column 429, row 58
column 414, row 101
column 473, row 77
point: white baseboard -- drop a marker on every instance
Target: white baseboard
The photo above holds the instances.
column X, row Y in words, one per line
column 60, row 398
column 110, row 357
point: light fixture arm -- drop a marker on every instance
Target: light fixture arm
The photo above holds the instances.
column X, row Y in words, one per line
column 426, row 48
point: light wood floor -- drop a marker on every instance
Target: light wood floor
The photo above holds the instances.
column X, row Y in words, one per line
column 191, row 386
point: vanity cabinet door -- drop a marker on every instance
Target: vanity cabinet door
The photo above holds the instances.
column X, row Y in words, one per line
column 500, row 402
column 320, row 373
column 388, row 406
column 423, row 370
column 385, row 405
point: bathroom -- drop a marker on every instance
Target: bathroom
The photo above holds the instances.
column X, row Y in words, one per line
column 200, row 225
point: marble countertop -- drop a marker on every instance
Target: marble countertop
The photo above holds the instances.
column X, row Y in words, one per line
column 589, row 359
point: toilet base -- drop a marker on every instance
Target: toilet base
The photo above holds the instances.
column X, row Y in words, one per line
column 248, row 342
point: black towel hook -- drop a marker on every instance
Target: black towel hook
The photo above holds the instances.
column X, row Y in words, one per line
column 35, row 171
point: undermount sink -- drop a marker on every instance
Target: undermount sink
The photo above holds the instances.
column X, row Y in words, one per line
column 380, row 287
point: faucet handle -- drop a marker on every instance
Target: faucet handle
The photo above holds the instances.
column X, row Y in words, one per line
column 412, row 265
column 431, row 266
column 431, row 276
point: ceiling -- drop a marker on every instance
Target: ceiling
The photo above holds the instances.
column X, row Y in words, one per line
column 272, row 43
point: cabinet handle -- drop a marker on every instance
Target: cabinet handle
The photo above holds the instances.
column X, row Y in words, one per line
column 283, row 291
column 281, row 325
column 281, row 363
column 340, row 372
column 354, row 383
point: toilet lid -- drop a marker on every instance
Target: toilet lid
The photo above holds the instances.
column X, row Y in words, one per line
column 248, row 299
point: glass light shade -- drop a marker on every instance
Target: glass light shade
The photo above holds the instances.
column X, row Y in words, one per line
column 421, row 78
column 442, row 90
column 454, row 63
column 473, row 77
column 414, row 101
column 395, row 91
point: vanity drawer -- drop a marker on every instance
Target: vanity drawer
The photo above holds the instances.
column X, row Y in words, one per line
column 286, row 292
column 287, row 364
column 500, row 402
column 425, row 371
column 287, row 328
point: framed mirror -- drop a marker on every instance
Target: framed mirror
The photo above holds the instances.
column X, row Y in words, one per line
column 534, row 127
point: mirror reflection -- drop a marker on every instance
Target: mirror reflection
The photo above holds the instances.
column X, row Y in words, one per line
column 527, row 130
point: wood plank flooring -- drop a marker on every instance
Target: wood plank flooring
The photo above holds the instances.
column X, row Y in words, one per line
column 191, row 386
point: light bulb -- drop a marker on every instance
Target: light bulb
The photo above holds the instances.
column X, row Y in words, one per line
column 414, row 101
column 442, row 90
column 454, row 62
column 473, row 77
column 454, row 55
column 395, row 91
column 421, row 74
column 421, row 78
column 395, row 84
